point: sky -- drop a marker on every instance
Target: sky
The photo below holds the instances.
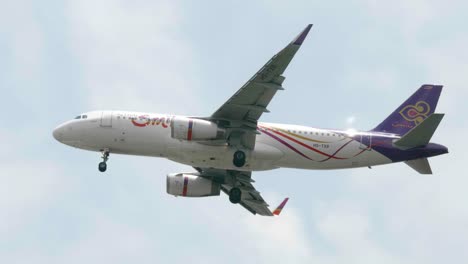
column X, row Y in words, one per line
column 359, row 62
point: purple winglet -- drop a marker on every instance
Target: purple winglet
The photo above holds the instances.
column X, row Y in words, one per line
column 299, row 39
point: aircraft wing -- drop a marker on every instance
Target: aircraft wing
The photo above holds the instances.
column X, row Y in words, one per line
column 242, row 111
column 251, row 198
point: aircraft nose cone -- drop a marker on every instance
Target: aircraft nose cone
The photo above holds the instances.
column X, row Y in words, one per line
column 58, row 133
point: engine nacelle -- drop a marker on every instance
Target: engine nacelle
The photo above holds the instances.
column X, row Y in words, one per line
column 185, row 128
column 191, row 185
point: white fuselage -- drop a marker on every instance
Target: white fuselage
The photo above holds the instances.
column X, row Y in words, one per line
column 277, row 145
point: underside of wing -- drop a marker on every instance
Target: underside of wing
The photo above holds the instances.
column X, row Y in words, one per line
column 250, row 198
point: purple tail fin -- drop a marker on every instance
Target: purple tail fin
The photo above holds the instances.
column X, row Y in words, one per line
column 413, row 111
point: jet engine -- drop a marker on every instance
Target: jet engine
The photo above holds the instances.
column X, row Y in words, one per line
column 191, row 185
column 185, row 128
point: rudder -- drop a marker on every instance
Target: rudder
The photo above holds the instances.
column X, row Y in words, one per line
column 413, row 111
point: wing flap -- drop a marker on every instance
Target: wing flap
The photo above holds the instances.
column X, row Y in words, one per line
column 253, row 206
column 257, row 208
column 250, row 197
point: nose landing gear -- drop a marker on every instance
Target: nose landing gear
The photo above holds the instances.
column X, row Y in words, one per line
column 103, row 165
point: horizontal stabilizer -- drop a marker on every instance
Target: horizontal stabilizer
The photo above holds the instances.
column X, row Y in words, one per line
column 420, row 165
column 421, row 134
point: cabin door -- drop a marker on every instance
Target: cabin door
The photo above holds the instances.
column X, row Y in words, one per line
column 106, row 119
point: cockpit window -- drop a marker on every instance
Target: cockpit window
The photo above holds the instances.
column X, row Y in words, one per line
column 81, row 117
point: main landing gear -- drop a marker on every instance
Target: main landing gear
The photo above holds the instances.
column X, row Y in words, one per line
column 239, row 158
column 235, row 195
column 103, row 165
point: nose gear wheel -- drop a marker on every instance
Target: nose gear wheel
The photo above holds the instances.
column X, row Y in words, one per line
column 102, row 167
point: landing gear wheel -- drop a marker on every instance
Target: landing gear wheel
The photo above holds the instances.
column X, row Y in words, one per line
column 102, row 166
column 235, row 195
column 105, row 156
column 239, row 158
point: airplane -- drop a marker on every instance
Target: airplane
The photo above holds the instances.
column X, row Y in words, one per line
column 226, row 147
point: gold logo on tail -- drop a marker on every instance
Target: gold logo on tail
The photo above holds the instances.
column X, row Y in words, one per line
column 416, row 113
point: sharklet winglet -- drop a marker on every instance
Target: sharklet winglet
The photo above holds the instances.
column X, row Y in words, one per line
column 301, row 37
column 280, row 207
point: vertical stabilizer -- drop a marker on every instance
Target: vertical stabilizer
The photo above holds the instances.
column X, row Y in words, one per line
column 413, row 111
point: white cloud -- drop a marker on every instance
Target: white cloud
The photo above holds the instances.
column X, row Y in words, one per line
column 133, row 55
column 109, row 241
column 24, row 193
column 412, row 14
column 350, row 121
column 445, row 62
column 278, row 239
column 347, row 227
column 27, row 186
column 371, row 78
column 346, row 235
column 24, row 39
